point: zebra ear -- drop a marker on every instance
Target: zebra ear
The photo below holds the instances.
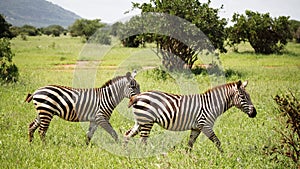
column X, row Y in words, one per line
column 245, row 83
column 134, row 72
column 238, row 84
column 128, row 75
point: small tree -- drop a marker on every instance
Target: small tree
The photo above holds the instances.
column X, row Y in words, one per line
column 265, row 34
column 85, row 27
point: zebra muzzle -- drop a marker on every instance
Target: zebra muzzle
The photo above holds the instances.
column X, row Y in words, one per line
column 253, row 113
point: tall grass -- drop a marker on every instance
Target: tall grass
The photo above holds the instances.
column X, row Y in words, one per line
column 49, row 60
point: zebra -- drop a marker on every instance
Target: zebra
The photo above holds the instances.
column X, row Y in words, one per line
column 81, row 105
column 196, row 112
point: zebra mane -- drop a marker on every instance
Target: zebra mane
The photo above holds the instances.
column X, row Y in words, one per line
column 111, row 81
column 227, row 85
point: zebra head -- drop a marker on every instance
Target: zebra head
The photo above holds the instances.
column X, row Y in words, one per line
column 242, row 99
column 132, row 88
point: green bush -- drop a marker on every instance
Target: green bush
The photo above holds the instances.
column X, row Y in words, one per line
column 158, row 74
column 8, row 70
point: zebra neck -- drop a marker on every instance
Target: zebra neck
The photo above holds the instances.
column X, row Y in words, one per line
column 115, row 93
column 221, row 100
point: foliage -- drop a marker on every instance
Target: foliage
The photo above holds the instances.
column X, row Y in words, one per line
column 85, row 28
column 8, row 70
column 29, row 30
column 297, row 35
column 158, row 74
column 265, row 34
column 128, row 33
column 101, row 36
column 173, row 50
column 54, row 30
column 5, row 31
column 295, row 28
column 289, row 144
column 115, row 28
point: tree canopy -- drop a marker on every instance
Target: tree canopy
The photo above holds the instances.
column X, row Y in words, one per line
column 54, row 30
column 265, row 34
column 201, row 15
column 85, row 27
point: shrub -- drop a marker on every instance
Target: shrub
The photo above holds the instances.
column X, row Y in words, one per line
column 8, row 70
column 289, row 144
column 158, row 74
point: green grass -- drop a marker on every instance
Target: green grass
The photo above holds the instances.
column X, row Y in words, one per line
column 48, row 60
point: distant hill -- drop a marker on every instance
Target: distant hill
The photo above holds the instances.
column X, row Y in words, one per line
column 38, row 13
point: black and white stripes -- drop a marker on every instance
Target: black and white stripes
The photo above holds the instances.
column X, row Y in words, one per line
column 80, row 105
column 188, row 112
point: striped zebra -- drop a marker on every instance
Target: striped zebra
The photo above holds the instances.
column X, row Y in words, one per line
column 187, row 112
column 81, row 105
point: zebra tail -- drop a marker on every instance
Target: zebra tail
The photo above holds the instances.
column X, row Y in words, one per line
column 28, row 98
column 132, row 101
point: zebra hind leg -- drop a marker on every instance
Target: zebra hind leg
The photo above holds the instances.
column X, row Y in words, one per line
column 32, row 127
column 145, row 132
column 45, row 122
column 193, row 136
column 90, row 133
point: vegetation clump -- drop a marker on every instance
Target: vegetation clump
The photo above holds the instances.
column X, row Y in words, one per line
column 289, row 144
column 8, row 70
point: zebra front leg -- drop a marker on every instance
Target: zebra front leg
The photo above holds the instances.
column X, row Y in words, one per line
column 104, row 123
column 193, row 136
column 32, row 127
column 212, row 136
column 93, row 127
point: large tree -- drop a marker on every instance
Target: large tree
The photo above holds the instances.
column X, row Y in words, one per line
column 192, row 12
column 265, row 34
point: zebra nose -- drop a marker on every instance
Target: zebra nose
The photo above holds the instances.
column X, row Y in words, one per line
column 253, row 113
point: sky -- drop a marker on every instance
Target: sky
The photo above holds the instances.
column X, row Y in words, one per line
column 111, row 11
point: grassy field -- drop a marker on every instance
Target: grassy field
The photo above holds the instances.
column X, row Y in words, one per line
column 52, row 60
